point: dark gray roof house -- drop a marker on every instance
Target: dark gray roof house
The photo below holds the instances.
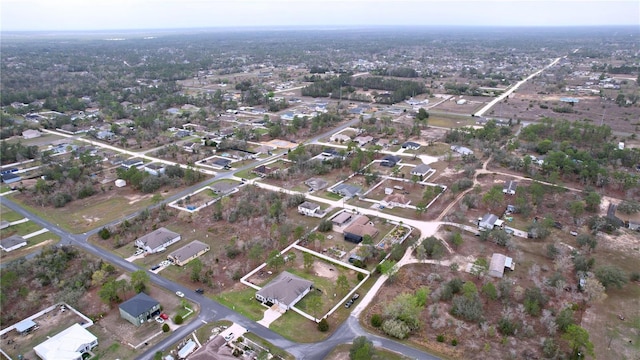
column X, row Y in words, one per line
column 489, row 221
column 221, row 162
column 510, row 187
column 411, row 145
column 13, row 242
column 390, row 160
column 139, row 309
column 316, row 184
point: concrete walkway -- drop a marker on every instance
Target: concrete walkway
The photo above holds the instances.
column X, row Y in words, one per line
column 270, row 315
column 35, row 233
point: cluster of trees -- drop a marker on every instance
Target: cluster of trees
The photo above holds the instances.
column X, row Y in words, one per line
column 400, row 90
column 147, row 183
column 14, row 152
column 113, row 290
column 62, row 272
column 401, row 316
column 404, row 72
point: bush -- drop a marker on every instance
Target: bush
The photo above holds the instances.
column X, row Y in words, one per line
column 454, row 342
column 376, row 320
column 467, row 307
column 611, row 276
column 360, row 276
column 323, row 325
column 507, row 327
column 104, row 233
column 165, row 328
column 440, row 338
column 325, row 225
column 396, row 328
column 634, row 276
column 178, row 320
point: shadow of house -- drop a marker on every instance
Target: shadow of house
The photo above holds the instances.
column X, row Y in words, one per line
column 139, row 309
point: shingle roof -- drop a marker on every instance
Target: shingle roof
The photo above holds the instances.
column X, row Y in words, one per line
column 138, row 304
column 286, row 287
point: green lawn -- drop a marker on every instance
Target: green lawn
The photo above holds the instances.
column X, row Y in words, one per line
column 299, row 329
column 246, row 174
column 7, row 214
column 243, row 302
column 342, row 351
column 83, row 215
column 25, row 228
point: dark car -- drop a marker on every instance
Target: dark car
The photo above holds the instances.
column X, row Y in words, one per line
column 348, row 304
column 200, row 291
column 155, row 267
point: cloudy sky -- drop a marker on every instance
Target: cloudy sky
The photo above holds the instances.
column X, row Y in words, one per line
column 40, row 15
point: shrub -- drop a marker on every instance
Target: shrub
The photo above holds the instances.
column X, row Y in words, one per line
column 467, row 307
column 360, row 276
column 178, row 320
column 325, row 225
column 634, row 276
column 323, row 325
column 506, row 326
column 440, row 338
column 396, row 328
column 611, row 276
column 165, row 328
column 376, row 320
column 490, row 291
column 454, row 342
column 104, row 233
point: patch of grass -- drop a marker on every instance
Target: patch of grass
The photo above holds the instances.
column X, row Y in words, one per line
column 82, row 216
column 342, row 352
column 297, row 328
column 9, row 215
column 243, row 302
column 204, row 332
column 246, row 174
column 22, row 229
column 329, row 195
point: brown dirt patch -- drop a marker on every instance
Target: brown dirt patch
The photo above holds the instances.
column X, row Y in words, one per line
column 325, row 270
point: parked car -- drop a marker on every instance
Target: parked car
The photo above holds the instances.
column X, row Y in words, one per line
column 180, row 294
column 574, row 233
column 164, row 316
column 200, row 291
column 155, row 267
column 138, row 252
column 355, row 297
column 348, row 304
column 159, row 319
column 228, row 337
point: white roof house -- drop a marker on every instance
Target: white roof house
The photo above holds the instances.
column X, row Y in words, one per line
column 69, row 344
column 157, row 240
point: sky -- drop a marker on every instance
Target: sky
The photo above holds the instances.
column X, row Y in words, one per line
column 90, row 15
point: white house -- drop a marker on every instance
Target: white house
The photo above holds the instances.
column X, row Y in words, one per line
column 13, row 242
column 510, row 187
column 340, row 138
column 489, row 222
column 285, row 291
column 30, row 134
column 310, row 209
column 69, row 344
column 157, row 240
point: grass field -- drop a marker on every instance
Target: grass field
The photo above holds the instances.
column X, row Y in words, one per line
column 243, row 302
column 9, row 215
column 341, row 352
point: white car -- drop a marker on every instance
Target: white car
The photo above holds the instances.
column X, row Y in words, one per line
column 179, row 293
column 228, row 337
column 159, row 319
column 138, row 252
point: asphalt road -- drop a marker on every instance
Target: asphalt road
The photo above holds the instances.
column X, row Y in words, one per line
column 211, row 310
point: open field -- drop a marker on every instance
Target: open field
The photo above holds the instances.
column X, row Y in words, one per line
column 341, row 352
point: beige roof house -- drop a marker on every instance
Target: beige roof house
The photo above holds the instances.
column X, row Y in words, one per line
column 157, row 240
column 188, row 252
column 285, row 290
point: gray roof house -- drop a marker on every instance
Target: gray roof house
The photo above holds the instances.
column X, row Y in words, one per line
column 510, row 187
column 285, row 290
column 489, row 221
column 461, row 150
column 411, row 145
column 316, row 184
column 346, row 190
column 498, row 263
column 157, row 240
column 421, row 170
column 13, row 242
column 139, row 309
column 188, row 252
column 390, row 160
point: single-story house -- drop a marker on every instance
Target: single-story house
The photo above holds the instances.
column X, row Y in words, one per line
column 68, row 344
column 510, row 210
column 10, row 178
column 510, row 187
column 285, row 290
column 157, row 240
column 155, row 169
column 189, row 146
column 135, row 162
column 411, row 145
column 359, row 228
column 390, row 160
column 489, row 222
column 223, row 187
column 498, row 263
column 461, row 150
column 634, row 225
column 30, row 134
column 340, row 138
column 139, row 309
column 26, row 326
column 13, row 242
column 262, row 170
column 342, row 218
column 220, row 162
column 308, row 208
column 188, row 252
column 363, row 140
column 316, row 184
column 331, row 153
column 105, row 135
column 182, row 133
column 346, row 190
column 421, row 170
column 4, row 224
